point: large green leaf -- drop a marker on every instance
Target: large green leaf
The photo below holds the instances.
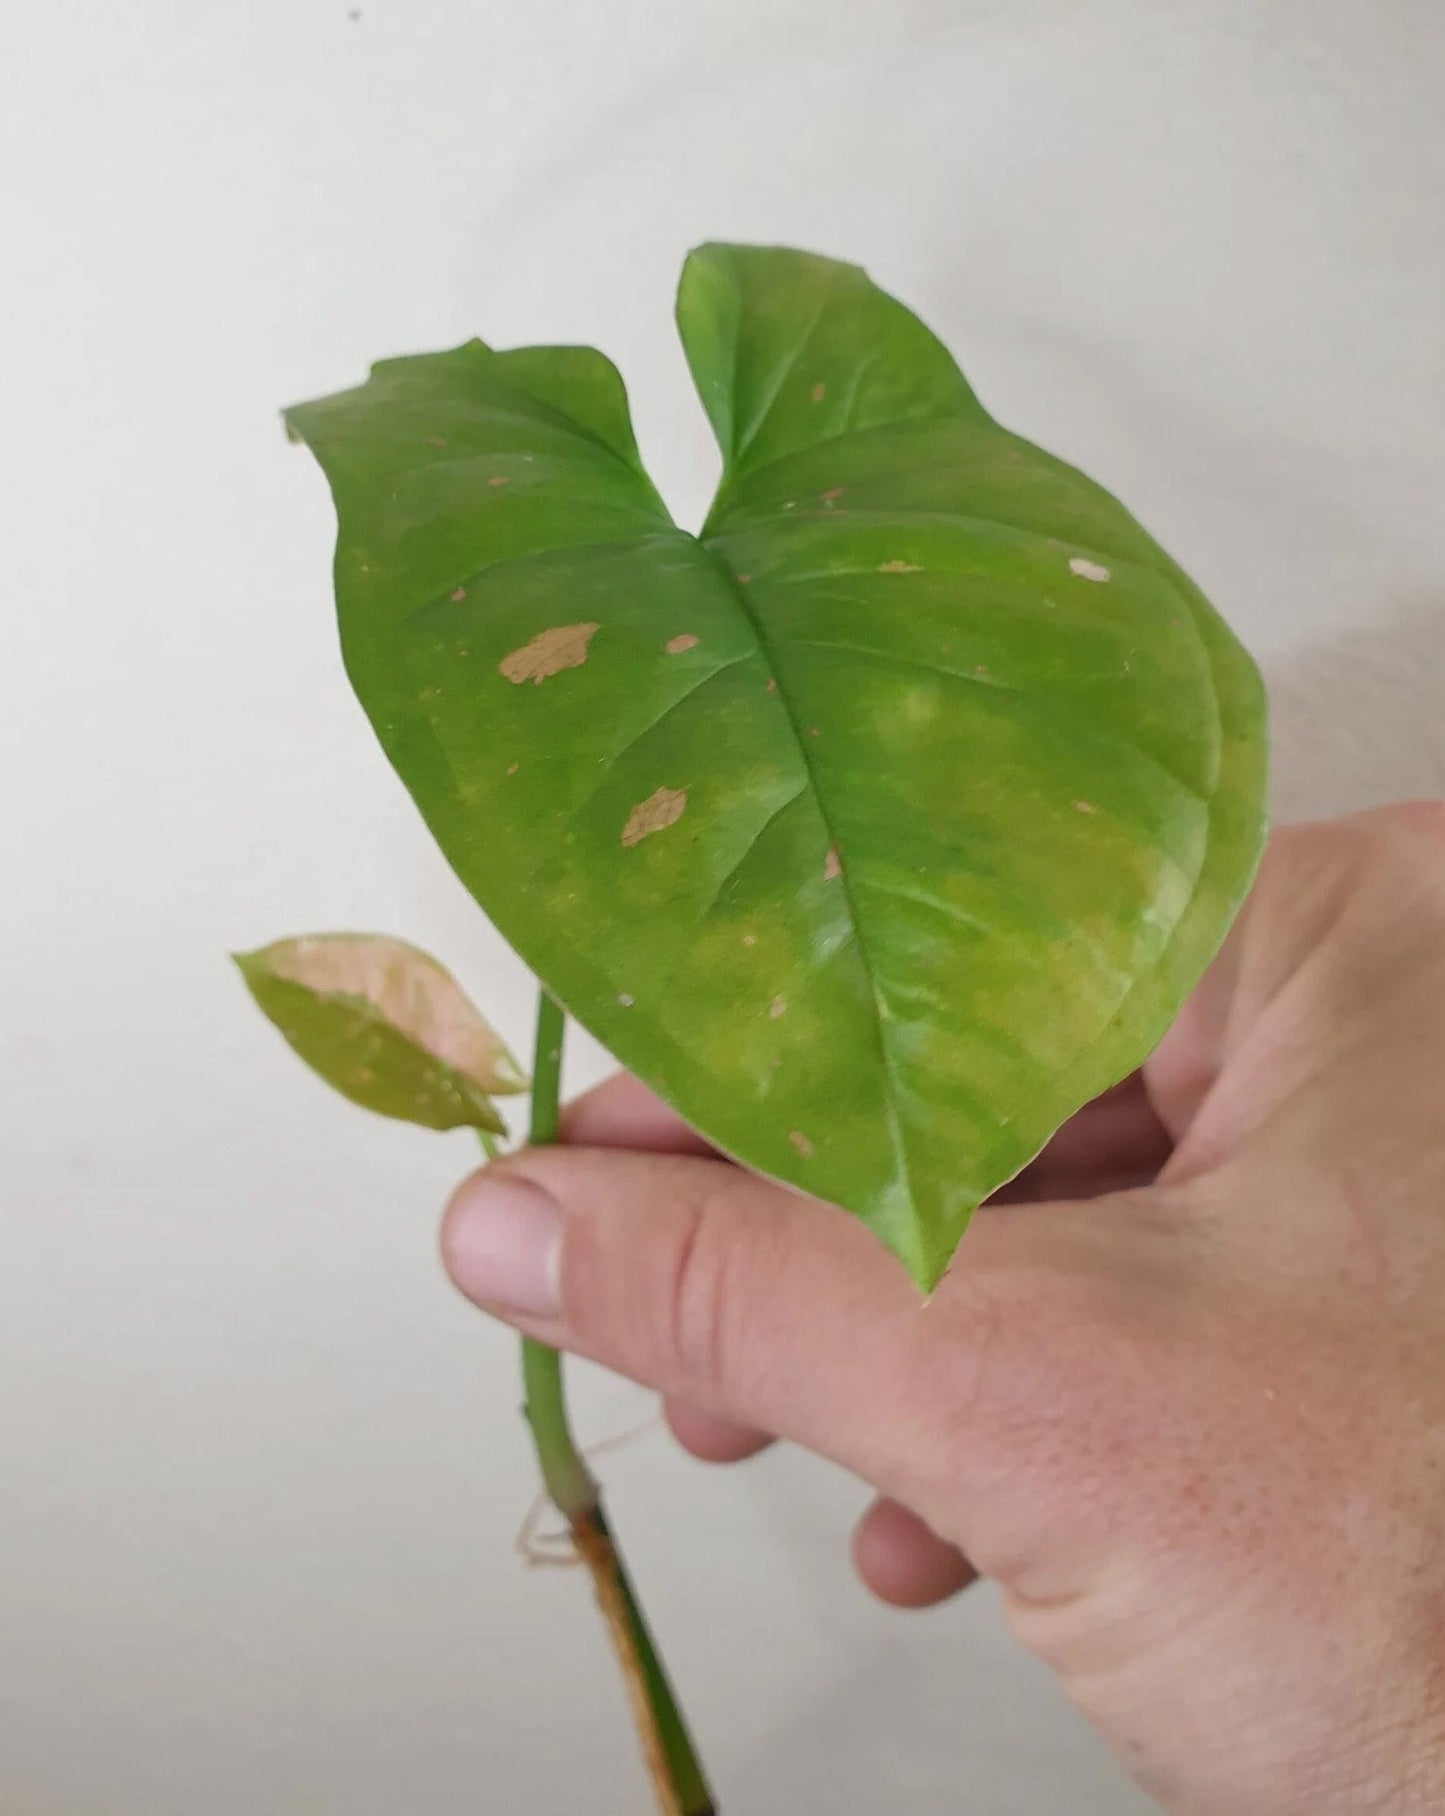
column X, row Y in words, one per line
column 880, row 826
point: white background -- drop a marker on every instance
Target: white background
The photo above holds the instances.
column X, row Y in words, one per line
column 260, row 1471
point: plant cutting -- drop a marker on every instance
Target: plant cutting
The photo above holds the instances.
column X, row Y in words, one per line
column 878, row 826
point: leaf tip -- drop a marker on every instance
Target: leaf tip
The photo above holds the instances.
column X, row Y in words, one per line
column 925, row 1249
column 248, row 963
column 291, row 425
column 508, row 1078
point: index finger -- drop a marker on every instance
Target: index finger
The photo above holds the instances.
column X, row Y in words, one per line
column 623, row 1113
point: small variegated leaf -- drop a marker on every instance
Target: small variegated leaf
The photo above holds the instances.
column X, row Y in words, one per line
column 385, row 1025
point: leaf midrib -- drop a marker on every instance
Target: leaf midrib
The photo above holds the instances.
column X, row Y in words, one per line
column 765, row 644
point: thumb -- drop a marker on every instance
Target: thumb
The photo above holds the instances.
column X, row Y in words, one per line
column 706, row 1283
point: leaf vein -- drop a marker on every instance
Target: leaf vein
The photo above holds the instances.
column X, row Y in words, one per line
column 645, row 731
column 786, row 368
column 1029, row 702
column 530, row 556
column 752, row 845
column 891, row 1086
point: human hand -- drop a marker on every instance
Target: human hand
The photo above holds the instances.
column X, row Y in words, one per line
column 1194, row 1426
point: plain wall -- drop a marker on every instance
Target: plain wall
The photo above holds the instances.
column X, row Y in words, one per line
column 260, row 1470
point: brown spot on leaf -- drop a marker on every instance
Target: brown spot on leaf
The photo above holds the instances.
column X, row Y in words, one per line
column 778, row 1006
column 511, row 769
column 899, row 567
column 829, row 498
column 981, row 670
column 1085, row 807
column 750, row 939
column 549, row 652
column 832, row 865
column 1088, row 570
column 743, row 579
column 458, row 593
column 624, row 1001
column 819, row 392
column 812, row 731
column 437, row 441
column 663, row 808
column 498, row 479
column 772, row 686
column 676, row 645
column 801, row 1143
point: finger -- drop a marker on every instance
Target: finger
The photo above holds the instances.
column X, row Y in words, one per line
column 623, row 1113
column 904, row 1562
column 1113, row 1144
column 697, row 1279
column 692, row 1277
column 712, row 1439
column 776, row 1312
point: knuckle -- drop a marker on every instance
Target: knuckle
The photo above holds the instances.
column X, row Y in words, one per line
column 1425, row 817
column 698, row 1292
column 973, row 1375
column 1051, row 1318
column 1406, row 833
column 1405, row 856
column 654, row 1293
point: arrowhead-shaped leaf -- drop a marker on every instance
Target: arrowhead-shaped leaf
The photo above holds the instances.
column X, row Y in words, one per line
column 880, row 826
column 385, row 1025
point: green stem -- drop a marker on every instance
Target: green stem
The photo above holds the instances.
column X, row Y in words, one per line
column 672, row 1761
column 564, row 1473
